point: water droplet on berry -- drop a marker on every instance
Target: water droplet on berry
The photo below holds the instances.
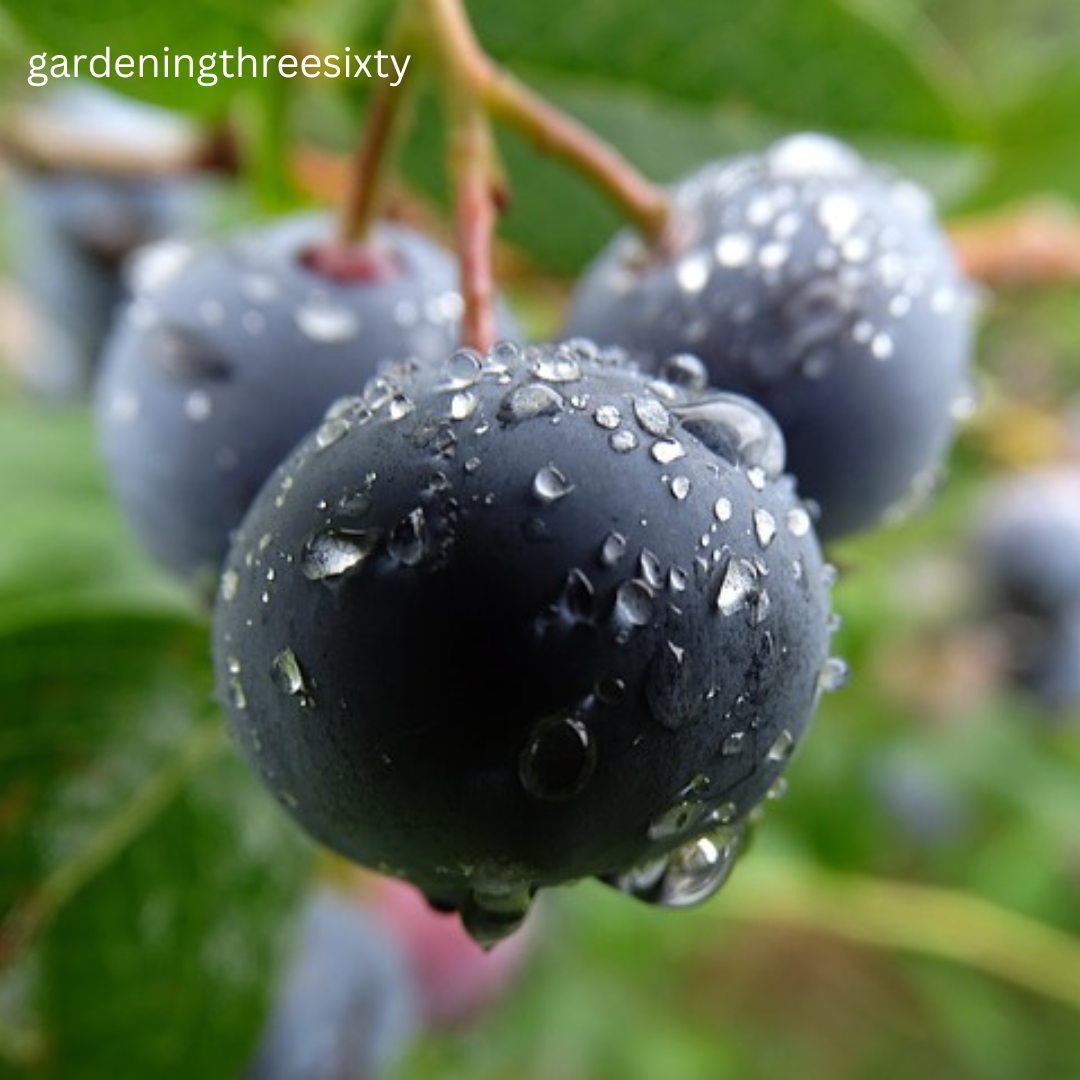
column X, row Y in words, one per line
column 558, row 759
column 407, row 540
column 530, row 402
column 697, row 870
column 782, row 747
column 549, row 485
column 633, row 604
column 652, row 416
column 326, row 322
column 331, row 554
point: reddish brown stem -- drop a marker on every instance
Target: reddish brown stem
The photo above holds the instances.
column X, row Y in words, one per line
column 473, row 74
column 361, row 202
column 478, row 197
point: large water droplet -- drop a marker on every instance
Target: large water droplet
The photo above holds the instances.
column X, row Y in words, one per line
column 558, row 760
column 736, row 429
column 530, row 402
column 696, row 870
column 738, row 587
column 335, row 552
column 558, row 366
column 686, row 370
column 550, row 485
column 652, row 416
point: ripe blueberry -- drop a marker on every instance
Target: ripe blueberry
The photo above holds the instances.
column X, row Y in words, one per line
column 820, row 287
column 71, row 229
column 1027, row 543
column 347, row 1005
column 522, row 619
column 230, row 352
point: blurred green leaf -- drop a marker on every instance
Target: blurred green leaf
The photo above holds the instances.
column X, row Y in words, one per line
column 63, row 543
column 818, row 63
column 144, row 876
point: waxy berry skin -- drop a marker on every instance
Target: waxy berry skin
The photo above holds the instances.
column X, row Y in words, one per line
column 823, row 288
column 230, row 352
column 511, row 622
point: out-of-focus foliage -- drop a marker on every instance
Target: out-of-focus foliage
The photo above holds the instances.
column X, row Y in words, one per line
column 147, row 886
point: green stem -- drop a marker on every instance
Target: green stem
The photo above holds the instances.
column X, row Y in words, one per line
column 34, row 912
column 927, row 919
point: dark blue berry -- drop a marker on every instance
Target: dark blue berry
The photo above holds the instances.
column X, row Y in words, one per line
column 230, row 352
column 822, row 288
column 525, row 618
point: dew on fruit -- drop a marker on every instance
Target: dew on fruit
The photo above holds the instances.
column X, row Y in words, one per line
column 650, row 569
column 633, row 604
column 159, row 263
column 666, row 451
column 463, row 404
column 560, row 366
column 677, row 820
column 407, row 541
column 578, row 598
column 757, row 477
column 288, row 676
column 692, row 274
column 558, row 760
column 736, row 430
column 549, row 485
column 722, row 509
column 330, row 431
column 881, row 346
column 612, row 549
column 680, row 487
column 833, row 675
column 463, row 369
column 652, row 416
column 685, row 370
column 230, row 581
column 734, row 250
column 810, row 156
column 608, row 417
column 797, row 521
column 678, row 579
column 333, row 553
column 724, row 813
column 327, row 323
column 739, row 587
column 838, row 213
column 530, row 402
column 782, row 747
column 623, row 442
column 764, row 526
column 697, row 870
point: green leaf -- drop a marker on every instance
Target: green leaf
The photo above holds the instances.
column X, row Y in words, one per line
column 63, row 543
column 1036, row 147
column 144, row 876
column 816, row 63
